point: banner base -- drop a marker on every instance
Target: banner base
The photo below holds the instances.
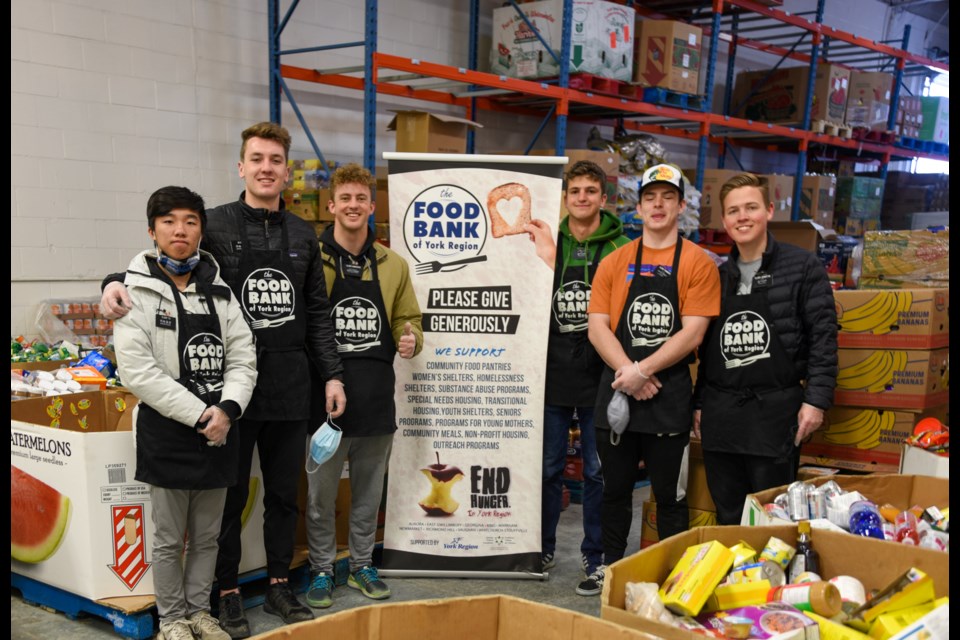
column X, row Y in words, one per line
column 496, row 575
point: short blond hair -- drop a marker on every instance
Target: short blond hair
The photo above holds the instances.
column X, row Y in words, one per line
column 746, row 180
column 352, row 173
column 267, row 131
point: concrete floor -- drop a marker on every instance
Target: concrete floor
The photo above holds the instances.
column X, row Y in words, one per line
column 29, row 622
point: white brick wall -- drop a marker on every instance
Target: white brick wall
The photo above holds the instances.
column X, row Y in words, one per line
column 111, row 100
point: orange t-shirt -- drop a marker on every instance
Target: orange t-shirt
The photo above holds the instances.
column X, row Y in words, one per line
column 698, row 281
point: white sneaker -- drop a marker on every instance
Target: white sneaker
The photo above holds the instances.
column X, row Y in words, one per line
column 175, row 630
column 593, row 585
column 206, row 627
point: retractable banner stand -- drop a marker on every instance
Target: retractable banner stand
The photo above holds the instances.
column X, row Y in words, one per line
column 464, row 482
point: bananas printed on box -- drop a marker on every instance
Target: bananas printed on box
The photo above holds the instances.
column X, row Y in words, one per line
column 877, row 315
column 862, row 430
column 872, row 374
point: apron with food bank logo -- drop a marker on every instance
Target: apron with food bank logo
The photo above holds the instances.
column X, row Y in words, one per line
column 752, row 395
column 573, row 365
column 173, row 455
column 650, row 317
column 365, row 344
column 277, row 314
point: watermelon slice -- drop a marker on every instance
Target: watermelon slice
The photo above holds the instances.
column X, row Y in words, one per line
column 38, row 517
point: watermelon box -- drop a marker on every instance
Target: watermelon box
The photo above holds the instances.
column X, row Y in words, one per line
column 79, row 520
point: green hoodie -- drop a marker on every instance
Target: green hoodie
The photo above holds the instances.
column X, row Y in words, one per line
column 609, row 235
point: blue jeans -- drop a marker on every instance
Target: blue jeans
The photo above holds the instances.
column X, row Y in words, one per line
column 556, row 435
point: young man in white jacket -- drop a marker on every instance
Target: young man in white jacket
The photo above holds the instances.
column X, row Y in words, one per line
column 187, row 353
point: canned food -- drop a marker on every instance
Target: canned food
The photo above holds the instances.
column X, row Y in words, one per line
column 776, row 511
column 778, row 551
column 817, row 503
column 808, row 576
column 782, row 500
column 830, row 488
column 797, row 505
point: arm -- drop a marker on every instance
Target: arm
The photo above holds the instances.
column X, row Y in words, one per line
column 819, row 325
column 542, row 237
column 321, row 337
column 115, row 301
column 405, row 319
column 626, row 376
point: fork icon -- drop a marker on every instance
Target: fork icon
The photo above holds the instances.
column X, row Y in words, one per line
column 266, row 323
column 348, row 347
column 435, row 266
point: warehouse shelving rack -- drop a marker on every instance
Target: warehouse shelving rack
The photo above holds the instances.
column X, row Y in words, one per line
column 554, row 100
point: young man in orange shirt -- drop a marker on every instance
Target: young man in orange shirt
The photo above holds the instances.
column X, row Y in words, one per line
column 651, row 303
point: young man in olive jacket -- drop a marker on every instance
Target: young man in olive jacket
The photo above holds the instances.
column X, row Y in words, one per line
column 768, row 364
column 271, row 260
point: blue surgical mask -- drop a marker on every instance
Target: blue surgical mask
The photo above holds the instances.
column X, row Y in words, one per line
column 178, row 267
column 323, row 444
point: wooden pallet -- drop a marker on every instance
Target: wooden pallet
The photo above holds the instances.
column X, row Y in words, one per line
column 131, row 617
column 829, row 128
column 926, row 146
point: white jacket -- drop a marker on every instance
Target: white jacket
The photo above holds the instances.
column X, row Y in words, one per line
column 148, row 357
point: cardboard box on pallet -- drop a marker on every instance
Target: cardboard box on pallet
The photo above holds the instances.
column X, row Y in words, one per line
column 495, row 617
column 423, row 132
column 601, row 40
column 904, row 259
column 868, row 103
column 893, row 319
column 780, row 94
column 840, row 554
column 902, row 491
column 668, row 54
column 893, row 378
column 935, row 125
column 780, row 188
column 102, row 549
column 817, row 199
column 863, row 438
column 710, row 206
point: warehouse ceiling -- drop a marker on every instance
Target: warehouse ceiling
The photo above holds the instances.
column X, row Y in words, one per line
column 934, row 10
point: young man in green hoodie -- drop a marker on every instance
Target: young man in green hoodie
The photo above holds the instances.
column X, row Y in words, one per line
column 586, row 236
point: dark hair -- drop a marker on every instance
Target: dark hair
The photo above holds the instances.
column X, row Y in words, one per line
column 586, row 168
column 745, row 180
column 351, row 173
column 166, row 199
column 267, row 131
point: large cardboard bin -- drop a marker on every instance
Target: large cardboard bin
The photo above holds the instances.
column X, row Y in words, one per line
column 470, row 618
column 81, row 447
column 875, row 563
column 901, row 491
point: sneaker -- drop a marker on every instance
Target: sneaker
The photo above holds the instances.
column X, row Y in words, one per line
column 232, row 619
column 320, row 591
column 280, row 601
column 175, row 630
column 206, row 627
column 368, row 581
column 585, row 565
column 593, row 585
column 548, row 561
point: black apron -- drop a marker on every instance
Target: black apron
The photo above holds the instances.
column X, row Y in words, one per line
column 752, row 393
column 650, row 316
column 365, row 344
column 573, row 365
column 273, row 305
column 173, row 455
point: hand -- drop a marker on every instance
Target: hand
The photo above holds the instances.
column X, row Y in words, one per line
column 696, row 423
column 628, row 380
column 218, row 426
column 408, row 342
column 809, row 419
column 115, row 301
column 542, row 237
column 336, row 398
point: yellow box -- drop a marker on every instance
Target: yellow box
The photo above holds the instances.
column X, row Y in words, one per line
column 732, row 596
column 830, row 630
column 694, row 578
column 890, row 624
column 893, row 319
column 910, row 589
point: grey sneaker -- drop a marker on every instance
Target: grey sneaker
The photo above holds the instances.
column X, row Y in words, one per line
column 368, row 581
column 175, row 630
column 593, row 585
column 548, row 561
column 280, row 601
column 232, row 619
column 320, row 591
column 206, row 627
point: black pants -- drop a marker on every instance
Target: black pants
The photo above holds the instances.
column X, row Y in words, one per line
column 662, row 456
column 281, row 448
column 733, row 476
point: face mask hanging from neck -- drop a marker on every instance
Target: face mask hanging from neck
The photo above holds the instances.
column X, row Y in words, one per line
column 178, row 267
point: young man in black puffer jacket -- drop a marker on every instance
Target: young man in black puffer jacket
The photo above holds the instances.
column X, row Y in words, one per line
column 768, row 364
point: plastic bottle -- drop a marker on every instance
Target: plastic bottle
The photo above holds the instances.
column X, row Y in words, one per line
column 865, row 520
column 906, row 528
column 822, row 598
column 806, row 558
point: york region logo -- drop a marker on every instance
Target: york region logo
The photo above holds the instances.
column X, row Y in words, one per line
column 268, row 298
column 744, row 339
column 651, row 319
column 570, row 303
column 357, row 323
column 203, row 356
column 443, row 222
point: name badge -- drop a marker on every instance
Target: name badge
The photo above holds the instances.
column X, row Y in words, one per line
column 166, row 322
column 353, row 270
column 237, row 246
column 580, row 253
column 661, row 272
column 762, row 280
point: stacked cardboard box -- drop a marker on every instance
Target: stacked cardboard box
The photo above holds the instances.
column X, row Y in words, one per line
column 897, row 259
column 601, row 41
column 668, row 55
column 868, row 104
column 893, row 370
column 858, row 204
column 779, row 96
column 909, row 116
column 818, row 199
column 936, row 119
column 906, row 194
column 307, row 195
column 423, row 132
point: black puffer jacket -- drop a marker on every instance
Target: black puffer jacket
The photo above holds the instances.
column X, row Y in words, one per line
column 804, row 315
column 221, row 237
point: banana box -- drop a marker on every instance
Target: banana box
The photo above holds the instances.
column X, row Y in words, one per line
column 864, row 439
column 648, row 531
column 893, row 319
column 893, row 378
column 899, row 259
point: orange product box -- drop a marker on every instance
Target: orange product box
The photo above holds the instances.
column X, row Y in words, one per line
column 87, row 375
